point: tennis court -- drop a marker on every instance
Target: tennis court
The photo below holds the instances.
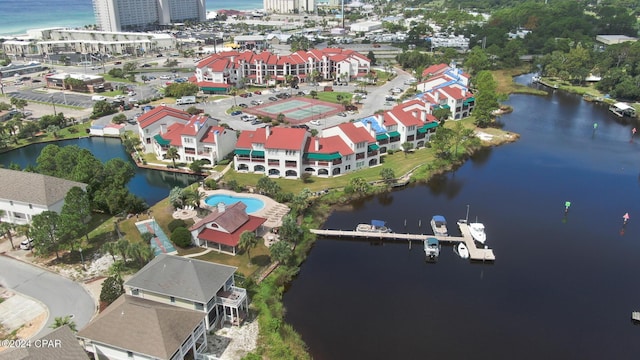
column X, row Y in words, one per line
column 160, row 243
column 297, row 110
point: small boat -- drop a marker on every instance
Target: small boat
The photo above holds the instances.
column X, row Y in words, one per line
column 462, row 250
column 431, row 247
column 477, row 232
column 439, row 225
column 376, row 226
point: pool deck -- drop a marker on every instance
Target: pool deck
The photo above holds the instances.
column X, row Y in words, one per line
column 273, row 211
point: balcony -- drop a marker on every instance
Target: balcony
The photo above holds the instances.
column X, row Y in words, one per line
column 360, row 156
column 274, row 163
column 232, row 297
column 249, row 159
column 372, row 153
column 190, row 151
column 291, row 164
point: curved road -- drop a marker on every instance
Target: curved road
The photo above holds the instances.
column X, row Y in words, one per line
column 60, row 295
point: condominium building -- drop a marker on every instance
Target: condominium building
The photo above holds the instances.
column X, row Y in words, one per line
column 119, row 15
column 289, row 6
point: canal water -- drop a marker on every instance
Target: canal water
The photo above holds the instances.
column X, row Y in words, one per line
column 561, row 287
column 151, row 185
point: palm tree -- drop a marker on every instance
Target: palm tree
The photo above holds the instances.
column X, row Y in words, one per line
column 248, row 240
column 62, row 321
column 110, row 247
column 122, row 247
column 5, row 229
column 233, row 91
column 173, row 154
column 196, row 197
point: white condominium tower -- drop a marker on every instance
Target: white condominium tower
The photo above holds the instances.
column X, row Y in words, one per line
column 126, row 15
column 289, row 6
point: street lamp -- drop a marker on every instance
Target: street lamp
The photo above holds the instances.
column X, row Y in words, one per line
column 81, row 259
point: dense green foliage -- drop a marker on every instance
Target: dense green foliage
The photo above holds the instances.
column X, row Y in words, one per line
column 176, row 223
column 112, row 288
column 106, row 182
column 181, row 237
column 181, row 89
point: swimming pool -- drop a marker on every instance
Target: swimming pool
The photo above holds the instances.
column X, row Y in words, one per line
column 253, row 204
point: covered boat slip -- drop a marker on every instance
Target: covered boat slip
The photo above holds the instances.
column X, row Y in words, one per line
column 622, row 109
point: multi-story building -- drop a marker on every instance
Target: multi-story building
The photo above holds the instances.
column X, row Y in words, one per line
column 198, row 285
column 52, row 41
column 196, row 137
column 25, row 194
column 289, row 6
column 219, row 71
column 118, row 15
column 271, row 151
column 447, row 87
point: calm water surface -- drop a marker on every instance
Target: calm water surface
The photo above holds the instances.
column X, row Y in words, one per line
column 562, row 287
column 151, row 185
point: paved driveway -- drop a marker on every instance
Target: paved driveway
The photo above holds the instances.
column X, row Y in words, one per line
column 60, row 295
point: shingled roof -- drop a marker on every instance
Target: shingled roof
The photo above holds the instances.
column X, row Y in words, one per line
column 184, row 278
column 33, row 188
column 143, row 326
column 65, row 346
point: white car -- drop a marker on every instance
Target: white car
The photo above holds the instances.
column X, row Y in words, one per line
column 119, row 97
column 259, row 102
column 133, row 100
column 165, row 77
column 132, row 93
column 26, row 244
column 315, row 122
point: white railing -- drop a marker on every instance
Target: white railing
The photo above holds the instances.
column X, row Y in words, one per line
column 237, row 296
column 206, row 357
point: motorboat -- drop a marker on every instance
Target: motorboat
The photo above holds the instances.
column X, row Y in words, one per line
column 462, row 250
column 439, row 225
column 477, row 232
column 376, row 226
column 432, row 247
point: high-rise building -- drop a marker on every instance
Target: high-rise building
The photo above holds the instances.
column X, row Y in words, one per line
column 124, row 15
column 289, row 6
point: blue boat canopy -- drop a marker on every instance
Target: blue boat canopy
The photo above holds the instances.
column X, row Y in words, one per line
column 439, row 219
column 432, row 241
column 377, row 223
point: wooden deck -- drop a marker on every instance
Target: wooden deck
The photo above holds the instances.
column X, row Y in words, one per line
column 475, row 253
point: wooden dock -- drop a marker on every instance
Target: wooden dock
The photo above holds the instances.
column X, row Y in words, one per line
column 475, row 253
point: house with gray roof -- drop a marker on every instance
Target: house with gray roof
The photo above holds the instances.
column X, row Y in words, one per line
column 192, row 284
column 59, row 344
column 136, row 328
column 26, row 194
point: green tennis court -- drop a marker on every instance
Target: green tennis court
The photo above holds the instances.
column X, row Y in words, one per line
column 314, row 110
column 285, row 106
column 297, row 110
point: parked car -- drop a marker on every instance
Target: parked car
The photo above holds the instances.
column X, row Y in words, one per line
column 25, row 78
column 131, row 93
column 301, row 93
column 159, row 55
column 254, row 102
column 145, row 65
column 237, row 112
column 26, row 244
column 273, row 98
column 315, row 122
column 342, row 114
column 35, row 81
column 258, row 92
column 244, row 95
column 165, row 77
column 243, row 105
column 256, row 122
column 117, row 63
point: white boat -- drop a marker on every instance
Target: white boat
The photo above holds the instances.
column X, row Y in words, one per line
column 432, row 247
column 477, row 232
column 376, row 226
column 439, row 225
column 462, row 250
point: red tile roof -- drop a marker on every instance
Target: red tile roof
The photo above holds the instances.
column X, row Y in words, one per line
column 328, row 145
column 279, row 138
column 209, row 137
column 159, row 113
column 231, row 239
column 456, row 92
column 355, row 133
column 406, row 118
column 174, row 134
column 435, row 69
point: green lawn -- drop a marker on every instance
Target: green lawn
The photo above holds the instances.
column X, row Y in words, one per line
column 332, row 96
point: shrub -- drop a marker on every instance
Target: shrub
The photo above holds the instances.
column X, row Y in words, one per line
column 211, row 184
column 111, row 289
column 181, row 237
column 224, row 162
column 176, row 223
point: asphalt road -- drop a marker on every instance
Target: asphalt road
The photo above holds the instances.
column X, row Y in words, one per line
column 60, row 295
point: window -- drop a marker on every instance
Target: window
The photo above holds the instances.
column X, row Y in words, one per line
column 172, row 299
column 130, row 354
column 135, row 292
column 198, row 306
column 30, row 206
column 11, row 202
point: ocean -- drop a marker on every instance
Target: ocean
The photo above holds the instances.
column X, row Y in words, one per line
column 20, row 16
